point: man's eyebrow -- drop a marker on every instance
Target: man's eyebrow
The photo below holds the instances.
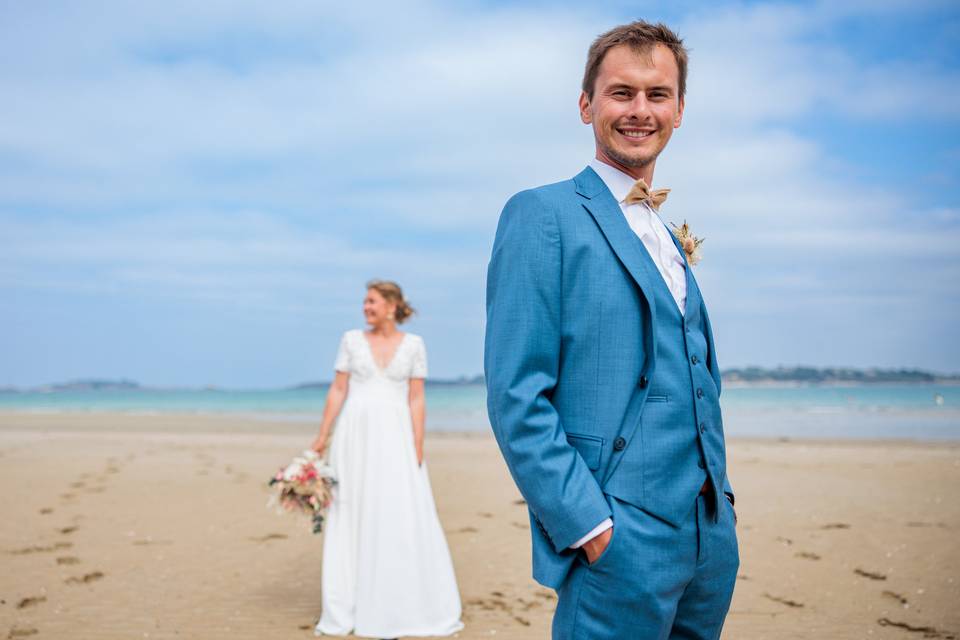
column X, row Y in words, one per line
column 624, row 85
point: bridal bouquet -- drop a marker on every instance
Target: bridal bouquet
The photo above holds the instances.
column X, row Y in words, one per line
column 305, row 485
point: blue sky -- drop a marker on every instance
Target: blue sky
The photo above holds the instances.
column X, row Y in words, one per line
column 196, row 193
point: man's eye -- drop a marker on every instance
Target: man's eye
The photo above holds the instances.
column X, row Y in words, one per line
column 620, row 93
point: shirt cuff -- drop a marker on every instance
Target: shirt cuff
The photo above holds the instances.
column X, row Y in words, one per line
column 597, row 530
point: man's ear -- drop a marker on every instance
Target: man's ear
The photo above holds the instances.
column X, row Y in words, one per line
column 585, row 115
column 679, row 118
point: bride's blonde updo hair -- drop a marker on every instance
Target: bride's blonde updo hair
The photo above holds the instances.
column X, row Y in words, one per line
column 391, row 292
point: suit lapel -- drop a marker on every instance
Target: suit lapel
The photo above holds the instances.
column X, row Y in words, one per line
column 599, row 202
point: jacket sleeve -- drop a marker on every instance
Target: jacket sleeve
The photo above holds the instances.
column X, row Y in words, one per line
column 521, row 365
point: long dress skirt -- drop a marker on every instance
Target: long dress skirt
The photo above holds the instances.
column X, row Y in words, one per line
column 387, row 571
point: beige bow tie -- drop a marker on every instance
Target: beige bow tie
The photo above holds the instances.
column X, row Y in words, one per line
column 642, row 193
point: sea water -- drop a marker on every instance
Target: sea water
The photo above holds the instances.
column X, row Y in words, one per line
column 916, row 411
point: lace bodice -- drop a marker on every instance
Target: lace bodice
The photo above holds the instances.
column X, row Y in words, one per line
column 356, row 358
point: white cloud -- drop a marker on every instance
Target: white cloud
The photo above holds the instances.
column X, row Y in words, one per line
column 237, row 152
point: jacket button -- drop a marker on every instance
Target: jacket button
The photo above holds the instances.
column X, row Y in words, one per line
column 699, row 392
column 703, row 427
column 619, row 444
column 694, row 359
column 701, row 465
column 643, row 382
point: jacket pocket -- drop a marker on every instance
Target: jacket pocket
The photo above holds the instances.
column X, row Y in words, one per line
column 589, row 448
column 652, row 398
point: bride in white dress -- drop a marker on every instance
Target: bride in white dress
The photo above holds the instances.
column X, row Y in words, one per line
column 387, row 570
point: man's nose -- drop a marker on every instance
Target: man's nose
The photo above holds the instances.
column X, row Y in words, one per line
column 640, row 106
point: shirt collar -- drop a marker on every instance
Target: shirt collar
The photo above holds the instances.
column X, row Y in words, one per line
column 617, row 181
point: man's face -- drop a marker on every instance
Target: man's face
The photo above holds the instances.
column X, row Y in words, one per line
column 635, row 107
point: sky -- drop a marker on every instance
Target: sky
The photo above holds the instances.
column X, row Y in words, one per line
column 196, row 193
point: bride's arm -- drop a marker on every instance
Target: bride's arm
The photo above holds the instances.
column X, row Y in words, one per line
column 335, row 397
column 418, row 413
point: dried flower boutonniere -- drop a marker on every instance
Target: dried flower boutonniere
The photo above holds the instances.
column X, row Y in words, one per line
column 689, row 242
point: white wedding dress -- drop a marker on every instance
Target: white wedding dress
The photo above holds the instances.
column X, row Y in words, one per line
column 387, row 570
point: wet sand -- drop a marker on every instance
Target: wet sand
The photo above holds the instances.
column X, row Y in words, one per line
column 126, row 526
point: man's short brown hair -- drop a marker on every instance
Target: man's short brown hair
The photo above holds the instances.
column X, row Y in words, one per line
column 641, row 36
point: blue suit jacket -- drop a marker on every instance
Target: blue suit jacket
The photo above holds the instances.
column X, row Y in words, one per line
column 570, row 332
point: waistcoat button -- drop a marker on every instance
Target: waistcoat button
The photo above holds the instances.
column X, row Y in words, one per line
column 694, row 359
column 703, row 427
column 619, row 444
column 699, row 392
column 643, row 382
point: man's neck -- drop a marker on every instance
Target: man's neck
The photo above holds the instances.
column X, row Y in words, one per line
column 645, row 172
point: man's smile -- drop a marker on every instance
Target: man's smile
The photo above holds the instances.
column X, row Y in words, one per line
column 636, row 134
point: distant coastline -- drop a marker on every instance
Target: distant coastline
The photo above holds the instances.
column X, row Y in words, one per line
column 745, row 376
column 835, row 376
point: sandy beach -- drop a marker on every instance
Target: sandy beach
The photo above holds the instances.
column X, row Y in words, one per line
column 126, row 526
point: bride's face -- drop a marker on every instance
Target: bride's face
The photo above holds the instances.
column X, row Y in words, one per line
column 376, row 309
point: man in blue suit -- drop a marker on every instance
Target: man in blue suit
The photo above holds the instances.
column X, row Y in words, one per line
column 602, row 377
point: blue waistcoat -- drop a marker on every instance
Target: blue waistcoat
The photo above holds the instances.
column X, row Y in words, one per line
column 679, row 440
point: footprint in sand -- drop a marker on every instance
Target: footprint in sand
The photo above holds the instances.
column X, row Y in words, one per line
column 896, row 596
column 18, row 632
column 806, row 555
column 489, row 604
column 78, row 484
column 786, row 541
column 528, row 604
column 466, row 530
column 270, row 536
column 68, row 496
column 41, row 549
column 793, row 604
column 928, row 632
column 45, row 511
column 68, row 530
column 86, row 578
column 520, row 525
column 872, row 575
column 835, row 525
column 939, row 525
column 151, row 542
column 31, row 602
column 520, row 502
column 484, row 514
column 68, row 560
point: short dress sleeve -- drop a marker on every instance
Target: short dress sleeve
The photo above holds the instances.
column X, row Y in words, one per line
column 419, row 368
column 342, row 363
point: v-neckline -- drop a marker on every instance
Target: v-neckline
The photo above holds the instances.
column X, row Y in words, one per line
column 393, row 356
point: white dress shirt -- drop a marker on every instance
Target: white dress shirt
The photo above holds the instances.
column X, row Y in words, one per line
column 656, row 238
column 650, row 229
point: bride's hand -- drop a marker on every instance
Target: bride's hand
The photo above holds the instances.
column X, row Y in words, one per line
column 420, row 455
column 319, row 445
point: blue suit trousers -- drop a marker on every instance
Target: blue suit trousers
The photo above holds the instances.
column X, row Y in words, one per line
column 654, row 581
